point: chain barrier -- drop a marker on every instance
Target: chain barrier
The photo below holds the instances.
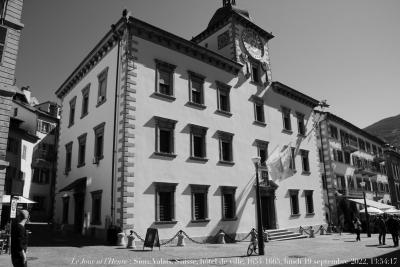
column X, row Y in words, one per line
column 138, row 236
column 321, row 228
column 191, row 239
column 170, row 240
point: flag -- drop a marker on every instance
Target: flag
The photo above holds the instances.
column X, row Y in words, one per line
column 286, row 159
column 274, row 164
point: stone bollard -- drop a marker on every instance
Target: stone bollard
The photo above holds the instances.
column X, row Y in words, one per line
column 311, row 233
column 221, row 238
column 121, row 239
column 322, row 230
column 131, row 241
column 181, row 240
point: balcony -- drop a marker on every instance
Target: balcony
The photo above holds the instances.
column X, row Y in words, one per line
column 349, row 145
column 355, row 193
column 379, row 158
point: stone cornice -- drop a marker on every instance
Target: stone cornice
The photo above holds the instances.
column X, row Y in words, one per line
column 294, row 94
column 156, row 35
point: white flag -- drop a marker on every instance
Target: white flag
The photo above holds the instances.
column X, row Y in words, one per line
column 286, row 159
column 274, row 164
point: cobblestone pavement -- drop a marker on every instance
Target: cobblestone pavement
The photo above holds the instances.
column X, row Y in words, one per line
column 323, row 250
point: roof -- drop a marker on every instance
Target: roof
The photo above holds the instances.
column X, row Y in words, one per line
column 286, row 91
column 34, row 109
column 354, row 128
column 371, row 203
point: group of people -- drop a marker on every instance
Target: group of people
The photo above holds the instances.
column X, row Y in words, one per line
column 391, row 224
column 384, row 223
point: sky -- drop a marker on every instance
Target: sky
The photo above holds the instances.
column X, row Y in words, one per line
column 344, row 51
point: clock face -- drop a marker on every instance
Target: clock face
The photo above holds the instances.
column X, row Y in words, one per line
column 253, row 44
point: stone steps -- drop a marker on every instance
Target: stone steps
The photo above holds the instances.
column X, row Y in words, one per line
column 283, row 234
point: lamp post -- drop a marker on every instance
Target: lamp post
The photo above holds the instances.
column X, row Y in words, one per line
column 366, row 209
column 256, row 161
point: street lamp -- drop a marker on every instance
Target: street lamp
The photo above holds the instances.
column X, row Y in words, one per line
column 256, row 161
column 366, row 209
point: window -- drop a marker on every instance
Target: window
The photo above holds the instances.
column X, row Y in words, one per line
column 225, row 147
column 258, row 110
column 292, row 165
column 12, row 145
column 198, row 142
column 287, row 125
column 46, row 127
column 102, row 92
column 368, row 147
column 72, row 111
column 23, row 156
column 339, row 156
column 294, row 202
column 333, row 132
column 15, row 112
column 346, row 157
column 196, row 89
column 228, row 202
column 374, row 150
column 255, row 72
column 199, row 202
column 165, row 202
column 96, row 207
column 41, row 176
column 262, row 150
column 65, row 201
column 165, row 79
column 85, row 100
column 82, row 149
column 305, row 161
column 223, row 39
column 309, row 201
column 40, row 202
column 223, row 101
column 350, row 182
column 340, row 182
column 301, row 127
column 3, row 36
column 361, row 144
column 165, row 136
column 68, row 157
column 98, row 142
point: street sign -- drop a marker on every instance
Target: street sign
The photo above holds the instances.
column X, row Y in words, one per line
column 152, row 239
column 13, row 210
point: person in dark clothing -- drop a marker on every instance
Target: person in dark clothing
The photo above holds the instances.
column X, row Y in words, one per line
column 357, row 228
column 19, row 239
column 380, row 223
column 392, row 227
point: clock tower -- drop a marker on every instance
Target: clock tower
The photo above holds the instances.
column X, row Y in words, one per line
column 232, row 33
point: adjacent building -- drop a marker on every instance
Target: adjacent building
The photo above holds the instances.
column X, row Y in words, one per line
column 10, row 32
column 349, row 158
column 159, row 131
column 392, row 156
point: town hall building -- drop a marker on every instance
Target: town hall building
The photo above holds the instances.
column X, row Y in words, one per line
column 159, row 131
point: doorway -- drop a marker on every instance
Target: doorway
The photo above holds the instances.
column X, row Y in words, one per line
column 79, row 209
column 268, row 212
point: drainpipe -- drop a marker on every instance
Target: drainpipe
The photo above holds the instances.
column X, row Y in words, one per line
column 114, row 156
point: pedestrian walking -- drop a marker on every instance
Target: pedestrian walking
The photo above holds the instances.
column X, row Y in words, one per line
column 381, row 225
column 357, row 228
column 392, row 227
column 19, row 239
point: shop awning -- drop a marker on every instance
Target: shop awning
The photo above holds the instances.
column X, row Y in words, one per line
column 372, row 203
column 76, row 185
column 6, row 199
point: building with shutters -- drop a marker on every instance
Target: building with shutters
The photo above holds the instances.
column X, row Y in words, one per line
column 159, row 131
column 392, row 156
column 350, row 156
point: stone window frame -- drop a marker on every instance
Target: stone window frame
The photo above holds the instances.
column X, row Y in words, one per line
column 294, row 206
column 258, row 106
column 301, row 125
column 199, row 131
column 98, row 131
column 286, row 120
column 167, row 68
column 102, row 78
column 255, row 69
column 305, row 162
column 165, row 124
column 85, row 95
column 223, row 90
column 68, row 157
column 231, row 190
column 199, row 189
column 82, row 143
column 72, row 111
column 225, row 137
column 309, row 194
column 96, row 195
column 195, row 77
column 262, row 145
column 170, row 188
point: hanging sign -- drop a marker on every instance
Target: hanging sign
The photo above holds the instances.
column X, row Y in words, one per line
column 13, row 210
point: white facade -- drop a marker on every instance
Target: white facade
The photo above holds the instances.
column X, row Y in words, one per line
column 130, row 197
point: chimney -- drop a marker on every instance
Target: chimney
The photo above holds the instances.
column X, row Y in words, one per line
column 27, row 93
